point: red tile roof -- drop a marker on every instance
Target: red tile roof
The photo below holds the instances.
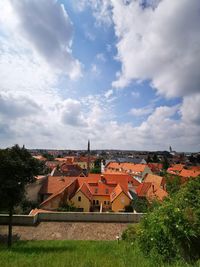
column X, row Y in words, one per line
column 142, row 189
column 154, row 179
column 126, row 167
column 155, row 167
column 189, row 173
column 150, row 191
column 56, row 183
column 175, row 168
column 117, row 191
column 84, row 188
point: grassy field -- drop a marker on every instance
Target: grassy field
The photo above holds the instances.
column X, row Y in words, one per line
column 75, row 253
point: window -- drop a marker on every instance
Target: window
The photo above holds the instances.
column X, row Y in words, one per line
column 107, row 192
column 79, row 198
column 97, row 202
column 93, row 202
column 96, row 190
column 104, row 202
column 108, row 202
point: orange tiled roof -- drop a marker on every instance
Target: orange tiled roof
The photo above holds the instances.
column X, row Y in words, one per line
column 194, row 168
column 119, row 178
column 86, row 191
column 142, row 189
column 116, row 192
column 175, row 168
column 157, row 193
column 155, row 179
column 150, row 191
column 126, row 167
column 189, row 173
column 155, row 167
column 56, row 194
column 55, row 183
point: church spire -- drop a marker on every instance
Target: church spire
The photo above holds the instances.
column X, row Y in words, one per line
column 88, row 158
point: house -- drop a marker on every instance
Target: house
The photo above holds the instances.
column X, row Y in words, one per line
column 137, row 171
column 93, row 193
column 189, row 173
column 175, row 169
column 156, row 167
column 152, row 188
column 66, row 169
column 156, row 180
column 83, row 161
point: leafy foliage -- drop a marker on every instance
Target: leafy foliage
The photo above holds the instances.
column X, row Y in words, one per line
column 172, row 229
column 173, row 183
column 130, row 233
column 17, row 168
column 48, row 156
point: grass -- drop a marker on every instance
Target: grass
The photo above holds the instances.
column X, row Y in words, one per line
column 76, row 253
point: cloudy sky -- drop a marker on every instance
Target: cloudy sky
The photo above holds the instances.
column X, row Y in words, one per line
column 124, row 74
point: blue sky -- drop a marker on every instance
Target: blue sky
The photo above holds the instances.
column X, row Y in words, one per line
column 124, row 74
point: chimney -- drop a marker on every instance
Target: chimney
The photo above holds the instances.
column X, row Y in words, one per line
column 153, row 187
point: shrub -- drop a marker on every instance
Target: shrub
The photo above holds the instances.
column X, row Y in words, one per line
column 130, row 233
column 172, row 229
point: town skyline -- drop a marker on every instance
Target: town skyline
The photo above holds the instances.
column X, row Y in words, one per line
column 124, row 74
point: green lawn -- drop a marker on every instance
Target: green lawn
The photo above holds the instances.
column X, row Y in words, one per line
column 75, row 253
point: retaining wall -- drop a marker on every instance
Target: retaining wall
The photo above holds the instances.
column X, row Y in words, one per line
column 72, row 217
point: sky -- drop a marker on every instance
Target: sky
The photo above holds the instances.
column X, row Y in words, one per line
column 123, row 73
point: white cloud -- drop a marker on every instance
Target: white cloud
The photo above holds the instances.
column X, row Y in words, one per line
column 190, row 109
column 71, row 113
column 108, row 93
column 160, row 44
column 95, row 70
column 138, row 112
column 101, row 57
column 135, row 94
column 48, row 29
column 100, row 8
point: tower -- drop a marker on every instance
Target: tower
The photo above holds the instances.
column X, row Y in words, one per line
column 88, row 158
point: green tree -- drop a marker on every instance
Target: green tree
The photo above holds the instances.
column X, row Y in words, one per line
column 155, row 159
column 172, row 230
column 165, row 163
column 173, row 183
column 17, row 168
column 48, row 156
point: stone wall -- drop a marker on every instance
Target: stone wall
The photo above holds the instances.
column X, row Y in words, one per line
column 72, row 217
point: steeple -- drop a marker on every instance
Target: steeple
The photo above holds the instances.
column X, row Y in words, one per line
column 88, row 158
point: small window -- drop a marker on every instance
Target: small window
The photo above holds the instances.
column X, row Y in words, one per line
column 104, row 202
column 108, row 202
column 97, row 202
column 93, row 202
column 107, row 192
column 79, row 198
column 96, row 190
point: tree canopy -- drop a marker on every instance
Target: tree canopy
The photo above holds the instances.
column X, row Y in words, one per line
column 17, row 168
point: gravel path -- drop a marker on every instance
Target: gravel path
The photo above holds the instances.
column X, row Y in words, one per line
column 66, row 230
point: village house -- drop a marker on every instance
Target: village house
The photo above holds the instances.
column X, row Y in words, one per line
column 96, row 192
column 137, row 171
column 152, row 188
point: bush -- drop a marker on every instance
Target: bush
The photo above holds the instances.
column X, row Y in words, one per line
column 172, row 229
column 130, row 233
